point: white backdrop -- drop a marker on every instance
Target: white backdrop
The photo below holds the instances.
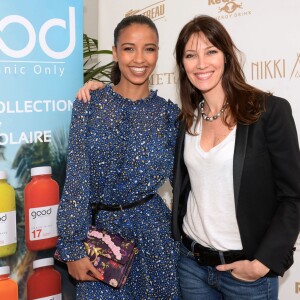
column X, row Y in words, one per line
column 267, row 32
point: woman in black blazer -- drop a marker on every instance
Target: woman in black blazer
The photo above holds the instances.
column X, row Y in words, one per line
column 236, row 205
column 236, row 190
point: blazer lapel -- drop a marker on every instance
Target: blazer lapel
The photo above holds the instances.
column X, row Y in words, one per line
column 179, row 145
column 239, row 157
column 178, row 178
column 178, row 162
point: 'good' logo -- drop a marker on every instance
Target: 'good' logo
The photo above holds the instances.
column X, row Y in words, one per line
column 42, row 34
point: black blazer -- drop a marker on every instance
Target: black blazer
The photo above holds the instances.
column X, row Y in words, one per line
column 266, row 177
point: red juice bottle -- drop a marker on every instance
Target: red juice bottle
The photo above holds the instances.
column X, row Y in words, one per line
column 45, row 281
column 41, row 199
column 8, row 287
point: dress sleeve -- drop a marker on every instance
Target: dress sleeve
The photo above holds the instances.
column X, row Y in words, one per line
column 74, row 214
column 173, row 113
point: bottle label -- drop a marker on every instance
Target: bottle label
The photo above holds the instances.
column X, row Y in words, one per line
column 42, row 223
column 8, row 228
column 53, row 297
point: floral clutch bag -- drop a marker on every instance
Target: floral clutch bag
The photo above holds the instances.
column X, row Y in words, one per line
column 111, row 255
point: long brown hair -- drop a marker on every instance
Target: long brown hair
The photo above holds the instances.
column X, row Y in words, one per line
column 245, row 101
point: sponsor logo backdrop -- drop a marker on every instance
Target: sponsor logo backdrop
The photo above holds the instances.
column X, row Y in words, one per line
column 40, row 72
column 265, row 31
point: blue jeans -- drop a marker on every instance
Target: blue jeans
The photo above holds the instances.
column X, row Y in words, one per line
column 204, row 282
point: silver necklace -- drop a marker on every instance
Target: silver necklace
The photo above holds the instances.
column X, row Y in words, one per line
column 215, row 117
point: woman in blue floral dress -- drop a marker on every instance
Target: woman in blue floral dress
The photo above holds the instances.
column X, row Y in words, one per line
column 121, row 149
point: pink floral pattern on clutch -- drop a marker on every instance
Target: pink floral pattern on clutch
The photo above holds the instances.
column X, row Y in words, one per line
column 111, row 254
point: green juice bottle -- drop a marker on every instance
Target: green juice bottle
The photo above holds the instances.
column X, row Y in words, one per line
column 8, row 226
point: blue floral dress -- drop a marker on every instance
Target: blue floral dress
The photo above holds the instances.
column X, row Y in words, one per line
column 119, row 152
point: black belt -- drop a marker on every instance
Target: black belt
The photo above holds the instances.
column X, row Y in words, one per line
column 209, row 257
column 101, row 206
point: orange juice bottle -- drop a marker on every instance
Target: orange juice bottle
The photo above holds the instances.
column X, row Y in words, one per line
column 8, row 287
column 41, row 199
column 45, row 282
column 8, row 226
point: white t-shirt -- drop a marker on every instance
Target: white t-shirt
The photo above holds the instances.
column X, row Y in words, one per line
column 211, row 219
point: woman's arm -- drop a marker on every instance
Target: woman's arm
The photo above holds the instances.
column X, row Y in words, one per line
column 275, row 250
column 74, row 213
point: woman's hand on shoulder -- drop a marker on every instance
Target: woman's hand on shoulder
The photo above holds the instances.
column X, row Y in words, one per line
column 83, row 93
column 78, row 269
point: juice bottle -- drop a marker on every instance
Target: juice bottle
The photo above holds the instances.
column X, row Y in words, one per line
column 45, row 282
column 8, row 225
column 8, row 287
column 41, row 199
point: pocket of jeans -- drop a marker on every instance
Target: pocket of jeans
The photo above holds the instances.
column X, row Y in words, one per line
column 242, row 280
column 184, row 251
